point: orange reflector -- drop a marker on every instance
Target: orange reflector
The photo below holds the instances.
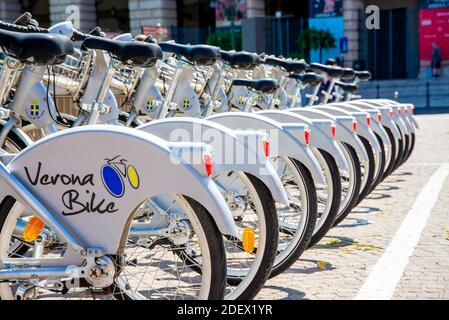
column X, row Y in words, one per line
column 266, row 147
column 248, row 240
column 33, row 229
column 354, row 126
column 368, row 121
column 307, row 136
column 208, row 164
column 334, row 131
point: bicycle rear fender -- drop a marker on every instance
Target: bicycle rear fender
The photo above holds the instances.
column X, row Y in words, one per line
column 394, row 105
column 227, row 144
column 362, row 126
column 66, row 172
column 411, row 116
column 319, row 137
column 345, row 132
column 386, row 115
column 286, row 139
column 374, row 124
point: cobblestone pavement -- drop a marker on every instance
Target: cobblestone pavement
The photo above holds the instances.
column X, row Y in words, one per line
column 339, row 265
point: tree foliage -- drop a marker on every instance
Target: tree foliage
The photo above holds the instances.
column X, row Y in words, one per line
column 316, row 39
column 224, row 40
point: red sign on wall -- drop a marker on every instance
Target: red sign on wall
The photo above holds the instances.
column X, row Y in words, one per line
column 433, row 27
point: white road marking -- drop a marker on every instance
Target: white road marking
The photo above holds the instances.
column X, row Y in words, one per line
column 384, row 277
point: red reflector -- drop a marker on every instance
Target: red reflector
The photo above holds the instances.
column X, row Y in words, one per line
column 354, row 126
column 379, row 117
column 412, row 108
column 208, row 164
column 266, row 147
column 334, row 131
column 307, row 136
column 399, row 111
column 391, row 114
column 406, row 110
column 368, row 121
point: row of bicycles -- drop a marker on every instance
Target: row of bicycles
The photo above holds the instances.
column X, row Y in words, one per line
column 186, row 172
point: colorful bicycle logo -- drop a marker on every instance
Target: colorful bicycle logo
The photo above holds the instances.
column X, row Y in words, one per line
column 35, row 110
column 151, row 105
column 186, row 105
column 113, row 174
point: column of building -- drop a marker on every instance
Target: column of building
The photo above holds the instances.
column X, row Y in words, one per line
column 150, row 13
column 81, row 12
column 351, row 12
column 255, row 8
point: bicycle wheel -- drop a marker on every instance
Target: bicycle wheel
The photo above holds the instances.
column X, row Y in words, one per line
column 143, row 267
column 350, row 183
column 329, row 197
column 368, row 171
column 382, row 161
column 248, row 269
column 391, row 164
column 412, row 145
column 296, row 221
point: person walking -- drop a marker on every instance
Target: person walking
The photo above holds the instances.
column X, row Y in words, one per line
column 436, row 60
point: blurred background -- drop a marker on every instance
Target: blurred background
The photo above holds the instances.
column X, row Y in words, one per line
column 398, row 46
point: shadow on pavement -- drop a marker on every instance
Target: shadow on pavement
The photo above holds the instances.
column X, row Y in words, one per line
column 292, row 294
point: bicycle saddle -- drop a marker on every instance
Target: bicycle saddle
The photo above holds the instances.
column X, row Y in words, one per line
column 264, row 85
column 289, row 66
column 348, row 74
column 199, row 54
column 309, row 78
column 334, row 72
column 129, row 52
column 36, row 48
column 363, row 75
column 241, row 59
column 347, row 87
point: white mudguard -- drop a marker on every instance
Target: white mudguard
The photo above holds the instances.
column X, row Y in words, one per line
column 396, row 117
column 345, row 132
column 375, row 125
column 286, row 140
column 69, row 172
column 386, row 113
column 227, row 144
column 319, row 137
column 362, row 127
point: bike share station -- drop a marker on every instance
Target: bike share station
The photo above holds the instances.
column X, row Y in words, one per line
column 187, row 172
